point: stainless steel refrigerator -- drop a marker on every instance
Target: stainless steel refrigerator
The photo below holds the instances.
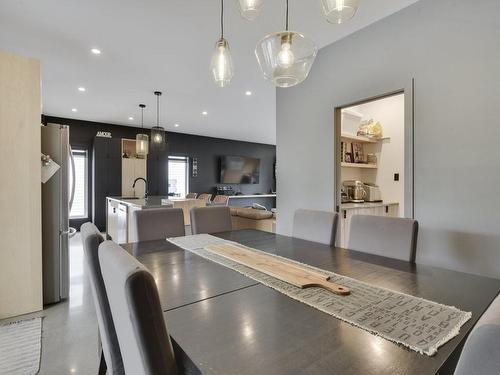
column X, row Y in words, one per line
column 57, row 197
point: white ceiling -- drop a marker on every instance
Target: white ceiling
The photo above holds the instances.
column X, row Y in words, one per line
column 162, row 45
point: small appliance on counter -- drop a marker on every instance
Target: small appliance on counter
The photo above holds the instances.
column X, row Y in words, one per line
column 343, row 196
column 354, row 190
column 373, row 193
column 225, row 190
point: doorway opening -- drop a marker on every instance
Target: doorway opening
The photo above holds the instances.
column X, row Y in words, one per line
column 374, row 159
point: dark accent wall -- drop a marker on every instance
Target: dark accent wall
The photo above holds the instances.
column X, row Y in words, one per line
column 207, row 150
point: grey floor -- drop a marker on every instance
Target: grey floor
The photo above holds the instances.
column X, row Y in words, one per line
column 69, row 333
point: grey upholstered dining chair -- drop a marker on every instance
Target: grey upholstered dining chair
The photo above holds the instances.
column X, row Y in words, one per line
column 315, row 226
column 392, row 237
column 135, row 306
column 482, row 348
column 158, row 223
column 110, row 354
column 212, row 219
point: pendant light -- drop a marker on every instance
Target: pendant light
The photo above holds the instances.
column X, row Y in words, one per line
column 221, row 65
column 286, row 57
column 158, row 132
column 142, row 140
column 339, row 11
column 250, row 9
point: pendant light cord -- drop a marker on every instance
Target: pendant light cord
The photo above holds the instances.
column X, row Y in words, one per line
column 286, row 20
column 222, row 19
column 142, row 117
column 157, row 110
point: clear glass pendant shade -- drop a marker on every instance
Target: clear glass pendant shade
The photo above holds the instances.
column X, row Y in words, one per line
column 339, row 11
column 141, row 145
column 285, row 58
column 142, row 140
column 158, row 137
column 222, row 64
column 250, row 9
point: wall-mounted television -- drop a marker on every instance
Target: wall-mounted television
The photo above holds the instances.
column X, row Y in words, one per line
column 239, row 170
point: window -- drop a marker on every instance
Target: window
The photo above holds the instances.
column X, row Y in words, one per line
column 79, row 210
column 178, row 176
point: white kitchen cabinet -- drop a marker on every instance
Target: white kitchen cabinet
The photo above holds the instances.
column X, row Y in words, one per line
column 112, row 222
column 121, row 224
column 347, row 214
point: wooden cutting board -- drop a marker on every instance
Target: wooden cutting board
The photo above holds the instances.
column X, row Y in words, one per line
column 288, row 272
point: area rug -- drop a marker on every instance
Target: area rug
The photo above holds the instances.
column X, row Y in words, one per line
column 20, row 347
column 418, row 324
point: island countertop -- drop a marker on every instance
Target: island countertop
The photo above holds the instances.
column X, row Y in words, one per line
column 149, row 202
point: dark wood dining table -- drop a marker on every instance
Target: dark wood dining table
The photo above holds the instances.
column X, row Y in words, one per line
column 226, row 323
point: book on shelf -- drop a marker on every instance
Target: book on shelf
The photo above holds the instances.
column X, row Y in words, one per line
column 357, row 153
column 346, row 154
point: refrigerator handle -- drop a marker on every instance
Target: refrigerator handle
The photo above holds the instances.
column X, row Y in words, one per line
column 73, row 174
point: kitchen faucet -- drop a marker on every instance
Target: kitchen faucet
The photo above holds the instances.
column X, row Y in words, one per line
column 145, row 184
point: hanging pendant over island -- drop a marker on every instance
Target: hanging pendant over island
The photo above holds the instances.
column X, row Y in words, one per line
column 142, row 140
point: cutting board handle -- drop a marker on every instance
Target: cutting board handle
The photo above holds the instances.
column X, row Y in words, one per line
column 332, row 287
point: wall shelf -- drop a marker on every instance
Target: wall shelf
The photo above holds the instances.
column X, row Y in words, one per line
column 361, row 139
column 357, row 138
column 358, row 165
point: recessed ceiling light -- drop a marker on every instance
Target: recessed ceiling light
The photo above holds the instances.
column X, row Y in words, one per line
column 176, row 125
column 204, row 113
column 74, row 110
column 131, row 118
column 248, row 93
column 95, row 51
column 82, row 89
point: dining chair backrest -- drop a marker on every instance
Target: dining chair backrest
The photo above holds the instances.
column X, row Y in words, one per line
column 158, row 223
column 91, row 239
column 220, row 200
column 212, row 219
column 135, row 305
column 205, row 196
column 391, row 237
column 315, row 226
column 480, row 355
column 191, row 195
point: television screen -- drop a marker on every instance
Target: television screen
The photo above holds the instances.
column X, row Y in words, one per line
column 239, row 170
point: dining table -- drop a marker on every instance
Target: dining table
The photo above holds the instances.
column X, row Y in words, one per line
column 222, row 322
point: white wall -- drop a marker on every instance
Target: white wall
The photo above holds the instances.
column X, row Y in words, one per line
column 454, row 58
column 390, row 152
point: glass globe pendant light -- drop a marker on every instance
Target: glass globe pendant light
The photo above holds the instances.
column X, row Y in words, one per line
column 286, row 57
column 339, row 11
column 250, row 9
column 142, row 140
column 158, row 132
column 222, row 63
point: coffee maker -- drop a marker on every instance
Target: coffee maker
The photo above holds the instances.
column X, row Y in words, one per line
column 354, row 191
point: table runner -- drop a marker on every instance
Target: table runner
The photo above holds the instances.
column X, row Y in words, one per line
column 418, row 324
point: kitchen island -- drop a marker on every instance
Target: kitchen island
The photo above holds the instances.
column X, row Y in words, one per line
column 119, row 211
